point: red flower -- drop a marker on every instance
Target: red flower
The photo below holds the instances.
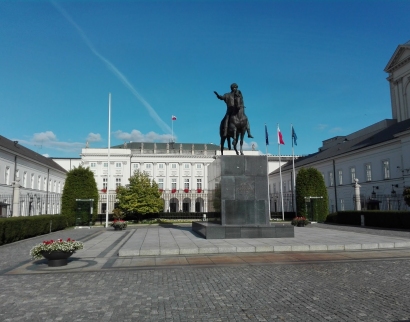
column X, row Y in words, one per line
column 174, row 190
column 186, row 190
column 199, row 190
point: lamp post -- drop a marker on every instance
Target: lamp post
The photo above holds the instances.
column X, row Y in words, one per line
column 393, row 192
column 30, row 203
column 374, row 192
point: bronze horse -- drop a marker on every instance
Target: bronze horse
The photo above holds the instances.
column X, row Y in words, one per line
column 238, row 125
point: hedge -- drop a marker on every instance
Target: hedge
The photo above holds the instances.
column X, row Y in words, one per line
column 18, row 228
column 376, row 218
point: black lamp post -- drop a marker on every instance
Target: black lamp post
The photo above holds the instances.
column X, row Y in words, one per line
column 374, row 192
column 393, row 192
column 30, row 204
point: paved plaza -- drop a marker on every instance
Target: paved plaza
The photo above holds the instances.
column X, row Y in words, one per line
column 325, row 273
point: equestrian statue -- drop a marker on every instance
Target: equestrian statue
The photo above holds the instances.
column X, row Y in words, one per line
column 235, row 123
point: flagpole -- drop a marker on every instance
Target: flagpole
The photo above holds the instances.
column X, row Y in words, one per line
column 266, row 139
column 108, row 168
column 280, row 175
column 172, row 123
column 294, row 174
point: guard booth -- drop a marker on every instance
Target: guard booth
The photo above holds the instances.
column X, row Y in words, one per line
column 84, row 212
column 311, row 204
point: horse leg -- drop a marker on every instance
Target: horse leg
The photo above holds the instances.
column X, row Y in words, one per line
column 229, row 143
column 235, row 137
column 242, row 135
column 235, row 143
column 222, row 144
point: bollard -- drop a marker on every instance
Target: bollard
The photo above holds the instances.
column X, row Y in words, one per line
column 204, row 217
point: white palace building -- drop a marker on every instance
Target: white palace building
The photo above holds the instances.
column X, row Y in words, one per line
column 179, row 169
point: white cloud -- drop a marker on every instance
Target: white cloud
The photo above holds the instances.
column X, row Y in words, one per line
column 336, row 130
column 321, row 127
column 137, row 136
column 47, row 136
column 93, row 137
column 48, row 139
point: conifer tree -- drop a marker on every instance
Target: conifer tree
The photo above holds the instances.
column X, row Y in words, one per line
column 79, row 184
column 310, row 183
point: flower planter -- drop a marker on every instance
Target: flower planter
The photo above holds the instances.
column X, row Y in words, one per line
column 301, row 224
column 56, row 251
column 56, row 258
column 118, row 228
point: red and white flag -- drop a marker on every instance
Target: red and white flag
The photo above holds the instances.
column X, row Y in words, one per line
column 173, row 117
column 280, row 138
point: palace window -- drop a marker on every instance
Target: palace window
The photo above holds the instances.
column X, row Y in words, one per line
column 352, row 174
column 386, row 169
column 331, row 179
column 368, row 168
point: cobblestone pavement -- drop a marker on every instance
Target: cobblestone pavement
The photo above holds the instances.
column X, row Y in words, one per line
column 374, row 287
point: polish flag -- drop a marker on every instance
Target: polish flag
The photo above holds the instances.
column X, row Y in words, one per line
column 174, row 118
column 280, row 138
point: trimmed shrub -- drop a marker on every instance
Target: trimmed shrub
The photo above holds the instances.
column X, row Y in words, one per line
column 80, row 184
column 310, row 182
column 372, row 218
column 18, row 228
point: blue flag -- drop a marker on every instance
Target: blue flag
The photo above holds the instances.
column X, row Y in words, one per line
column 266, row 135
column 294, row 136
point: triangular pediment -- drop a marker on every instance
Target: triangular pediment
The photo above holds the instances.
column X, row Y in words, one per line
column 400, row 57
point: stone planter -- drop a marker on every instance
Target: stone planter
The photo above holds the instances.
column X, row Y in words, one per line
column 57, row 258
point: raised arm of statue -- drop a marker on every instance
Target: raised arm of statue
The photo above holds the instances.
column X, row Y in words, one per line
column 218, row 96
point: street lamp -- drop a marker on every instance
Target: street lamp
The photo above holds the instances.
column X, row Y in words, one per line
column 374, row 192
column 30, row 203
column 393, row 192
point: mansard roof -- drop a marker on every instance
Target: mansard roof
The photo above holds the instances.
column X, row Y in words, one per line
column 352, row 143
column 163, row 146
column 399, row 58
column 19, row 150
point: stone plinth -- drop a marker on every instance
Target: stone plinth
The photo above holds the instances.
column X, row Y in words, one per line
column 241, row 183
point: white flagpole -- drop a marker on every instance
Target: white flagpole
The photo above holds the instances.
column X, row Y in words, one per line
column 280, row 175
column 108, row 168
column 294, row 173
column 172, row 126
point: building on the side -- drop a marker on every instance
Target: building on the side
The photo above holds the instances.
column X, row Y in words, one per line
column 179, row 169
column 378, row 155
column 30, row 184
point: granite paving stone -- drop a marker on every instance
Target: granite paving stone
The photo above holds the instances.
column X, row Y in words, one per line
column 97, row 285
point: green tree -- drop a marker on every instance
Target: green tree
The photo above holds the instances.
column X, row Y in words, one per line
column 141, row 196
column 79, row 184
column 310, row 183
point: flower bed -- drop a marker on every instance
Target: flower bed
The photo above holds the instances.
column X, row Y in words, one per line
column 119, row 224
column 59, row 245
column 300, row 221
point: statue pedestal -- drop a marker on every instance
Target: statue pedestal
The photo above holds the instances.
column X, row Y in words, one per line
column 241, row 183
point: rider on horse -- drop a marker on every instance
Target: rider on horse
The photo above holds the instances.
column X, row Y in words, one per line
column 233, row 100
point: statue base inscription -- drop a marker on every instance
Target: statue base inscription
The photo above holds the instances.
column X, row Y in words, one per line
column 241, row 183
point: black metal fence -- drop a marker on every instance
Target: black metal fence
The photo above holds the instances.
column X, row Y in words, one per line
column 32, row 204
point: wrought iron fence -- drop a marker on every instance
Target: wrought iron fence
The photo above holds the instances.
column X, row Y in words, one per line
column 32, row 204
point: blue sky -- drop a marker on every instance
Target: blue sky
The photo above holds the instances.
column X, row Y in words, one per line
column 315, row 64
